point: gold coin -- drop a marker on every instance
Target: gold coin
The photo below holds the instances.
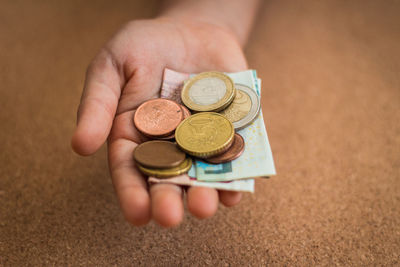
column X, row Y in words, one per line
column 164, row 173
column 205, row 134
column 208, row 91
column 239, row 108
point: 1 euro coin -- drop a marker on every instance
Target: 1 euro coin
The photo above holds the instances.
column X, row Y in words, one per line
column 208, row 91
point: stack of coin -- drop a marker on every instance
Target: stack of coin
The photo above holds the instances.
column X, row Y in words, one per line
column 161, row 159
column 207, row 135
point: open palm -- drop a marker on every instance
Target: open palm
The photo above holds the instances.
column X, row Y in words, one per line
column 127, row 72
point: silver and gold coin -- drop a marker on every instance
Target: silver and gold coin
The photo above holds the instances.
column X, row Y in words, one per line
column 205, row 134
column 244, row 108
column 208, row 91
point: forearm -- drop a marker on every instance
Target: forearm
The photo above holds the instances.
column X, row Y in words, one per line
column 236, row 16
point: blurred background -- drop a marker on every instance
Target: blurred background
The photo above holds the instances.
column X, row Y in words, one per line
column 331, row 103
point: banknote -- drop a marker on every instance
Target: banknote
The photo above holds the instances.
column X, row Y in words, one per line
column 246, row 185
column 171, row 86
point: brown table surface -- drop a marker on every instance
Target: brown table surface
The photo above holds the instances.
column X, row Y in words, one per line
column 331, row 101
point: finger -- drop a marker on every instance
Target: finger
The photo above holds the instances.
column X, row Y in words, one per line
column 166, row 204
column 229, row 198
column 129, row 183
column 98, row 104
column 202, row 201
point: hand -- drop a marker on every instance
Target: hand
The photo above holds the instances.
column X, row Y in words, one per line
column 127, row 72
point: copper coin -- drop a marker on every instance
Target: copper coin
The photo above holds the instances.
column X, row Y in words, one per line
column 186, row 112
column 158, row 154
column 158, row 117
column 169, row 137
column 232, row 153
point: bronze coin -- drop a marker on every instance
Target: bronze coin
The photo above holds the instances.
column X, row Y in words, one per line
column 169, row 137
column 232, row 153
column 186, row 112
column 158, row 154
column 158, row 117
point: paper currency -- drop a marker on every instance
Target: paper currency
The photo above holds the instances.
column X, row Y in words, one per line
column 238, row 185
column 172, row 85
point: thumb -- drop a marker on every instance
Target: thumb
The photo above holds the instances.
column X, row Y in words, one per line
column 98, row 104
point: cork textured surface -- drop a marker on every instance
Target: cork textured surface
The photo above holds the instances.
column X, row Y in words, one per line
column 331, row 103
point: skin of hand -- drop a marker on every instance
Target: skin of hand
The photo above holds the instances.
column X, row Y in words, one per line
column 128, row 71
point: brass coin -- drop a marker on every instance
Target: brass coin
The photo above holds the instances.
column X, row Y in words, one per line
column 244, row 108
column 232, row 153
column 208, row 91
column 169, row 172
column 205, row 134
column 158, row 154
